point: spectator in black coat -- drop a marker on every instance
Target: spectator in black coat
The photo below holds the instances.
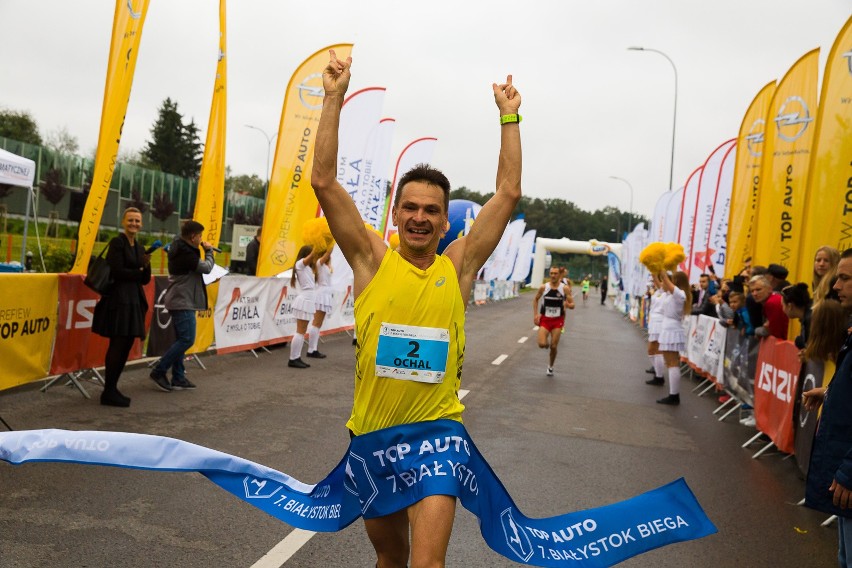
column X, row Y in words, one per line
column 120, row 313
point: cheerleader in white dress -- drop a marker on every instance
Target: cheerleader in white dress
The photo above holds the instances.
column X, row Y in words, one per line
column 322, row 300
column 677, row 301
column 655, row 320
column 303, row 307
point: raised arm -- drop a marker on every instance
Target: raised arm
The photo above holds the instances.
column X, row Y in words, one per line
column 666, row 282
column 470, row 252
column 363, row 249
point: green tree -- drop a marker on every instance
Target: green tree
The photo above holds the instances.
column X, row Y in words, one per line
column 249, row 185
column 175, row 146
column 62, row 141
column 20, row 126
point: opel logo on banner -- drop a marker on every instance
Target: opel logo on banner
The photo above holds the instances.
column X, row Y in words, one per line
column 754, row 138
column 792, row 119
column 311, row 91
column 164, row 318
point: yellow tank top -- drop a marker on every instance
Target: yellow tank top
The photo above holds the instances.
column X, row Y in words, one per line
column 410, row 328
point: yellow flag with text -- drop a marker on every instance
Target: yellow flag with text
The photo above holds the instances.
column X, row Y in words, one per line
column 123, row 51
column 290, row 201
column 784, row 169
column 746, row 182
column 27, row 326
column 828, row 207
column 209, row 202
column 204, row 333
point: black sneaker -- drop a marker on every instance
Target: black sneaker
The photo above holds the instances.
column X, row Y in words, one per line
column 316, row 355
column 651, row 371
column 672, row 400
column 297, row 363
column 161, row 380
column 182, row 384
column 656, row 381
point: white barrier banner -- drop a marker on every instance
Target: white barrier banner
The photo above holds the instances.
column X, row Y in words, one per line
column 240, row 311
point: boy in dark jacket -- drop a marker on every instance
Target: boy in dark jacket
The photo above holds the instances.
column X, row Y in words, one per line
column 185, row 295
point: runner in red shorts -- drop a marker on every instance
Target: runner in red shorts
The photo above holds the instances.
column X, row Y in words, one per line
column 549, row 306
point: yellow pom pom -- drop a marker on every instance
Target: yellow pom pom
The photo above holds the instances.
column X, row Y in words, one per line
column 393, row 241
column 315, row 232
column 653, row 257
column 674, row 255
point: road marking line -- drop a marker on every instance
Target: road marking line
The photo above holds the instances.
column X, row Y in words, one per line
column 499, row 359
column 463, row 393
column 282, row 551
column 523, row 339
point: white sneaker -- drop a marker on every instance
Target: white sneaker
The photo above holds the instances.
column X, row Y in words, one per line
column 549, row 372
column 749, row 421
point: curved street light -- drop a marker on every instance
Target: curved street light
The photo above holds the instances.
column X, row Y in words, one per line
column 268, row 149
column 674, row 121
column 630, row 228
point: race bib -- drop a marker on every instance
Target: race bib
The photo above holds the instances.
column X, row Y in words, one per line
column 412, row 353
column 552, row 312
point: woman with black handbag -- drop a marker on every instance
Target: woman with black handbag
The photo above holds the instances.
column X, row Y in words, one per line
column 120, row 313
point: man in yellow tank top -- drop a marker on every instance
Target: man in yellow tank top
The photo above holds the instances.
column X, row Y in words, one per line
column 410, row 303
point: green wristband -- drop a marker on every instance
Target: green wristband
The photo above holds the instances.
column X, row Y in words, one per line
column 510, row 118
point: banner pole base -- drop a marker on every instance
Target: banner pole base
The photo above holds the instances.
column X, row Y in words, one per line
column 731, row 411
column 762, row 450
column 72, row 379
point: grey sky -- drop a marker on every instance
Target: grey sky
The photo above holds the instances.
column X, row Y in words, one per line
column 591, row 108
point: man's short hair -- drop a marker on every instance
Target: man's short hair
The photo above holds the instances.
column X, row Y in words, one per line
column 190, row 228
column 426, row 174
column 759, row 279
column 758, row 270
column 777, row 271
column 847, row 253
column 705, row 275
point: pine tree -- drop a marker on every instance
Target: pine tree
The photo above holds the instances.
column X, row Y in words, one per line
column 174, row 147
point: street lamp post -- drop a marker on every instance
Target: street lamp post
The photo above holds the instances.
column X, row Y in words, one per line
column 674, row 121
column 630, row 228
column 268, row 150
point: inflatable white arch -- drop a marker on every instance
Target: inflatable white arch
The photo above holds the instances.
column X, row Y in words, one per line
column 564, row 245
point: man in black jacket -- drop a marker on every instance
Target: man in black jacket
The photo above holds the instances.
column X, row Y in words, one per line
column 252, row 254
column 185, row 295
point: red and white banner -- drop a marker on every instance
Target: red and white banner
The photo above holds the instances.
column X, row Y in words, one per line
column 717, row 243
column 775, row 382
column 686, row 224
column 705, row 347
column 252, row 312
column 239, row 314
column 359, row 118
column 76, row 347
column 708, row 183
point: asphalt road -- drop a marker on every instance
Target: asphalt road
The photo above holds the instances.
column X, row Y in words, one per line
column 589, row 436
